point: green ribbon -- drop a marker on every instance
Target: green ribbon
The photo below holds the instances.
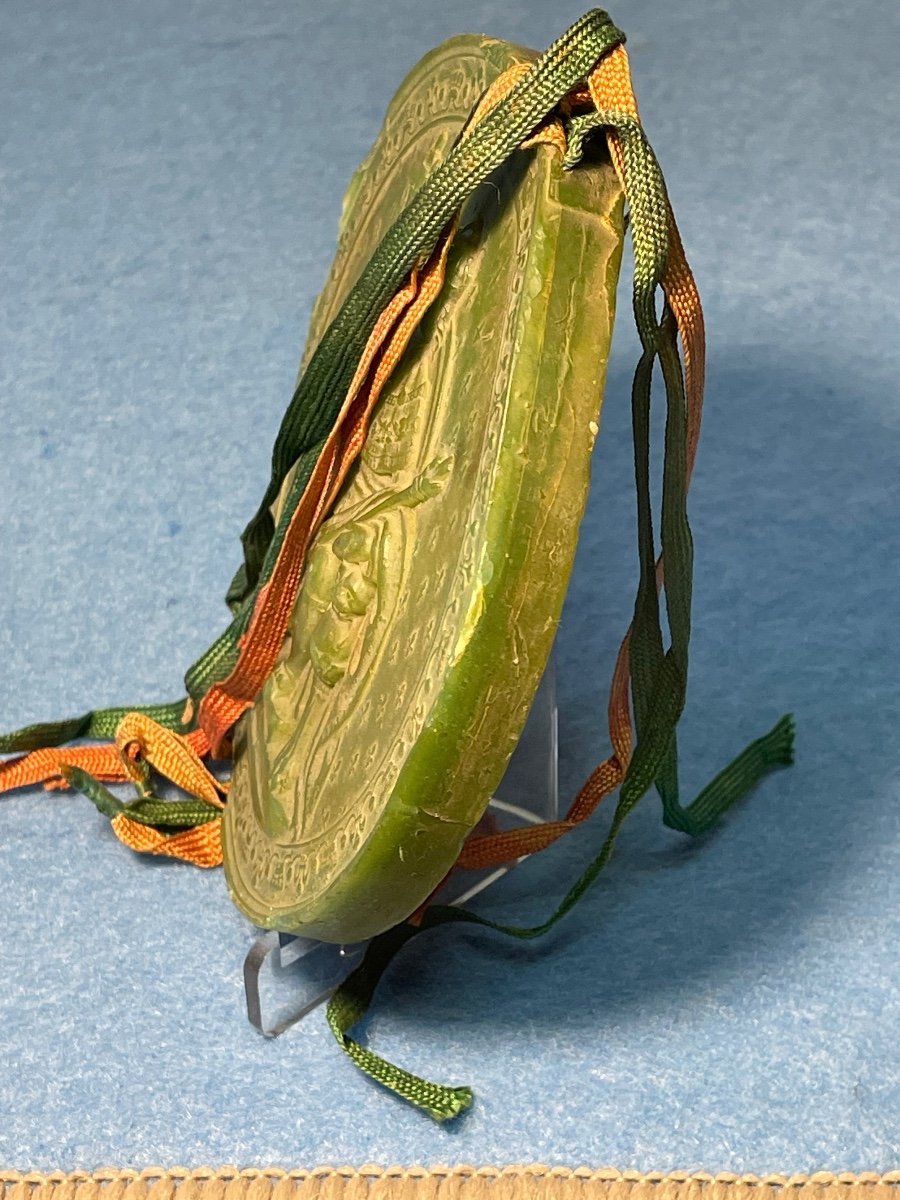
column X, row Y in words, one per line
column 99, row 723
column 349, row 1005
column 316, row 402
column 148, row 809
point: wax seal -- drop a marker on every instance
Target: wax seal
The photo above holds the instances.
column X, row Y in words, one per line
column 432, row 593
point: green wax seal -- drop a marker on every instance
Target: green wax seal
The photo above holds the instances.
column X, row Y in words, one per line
column 432, row 594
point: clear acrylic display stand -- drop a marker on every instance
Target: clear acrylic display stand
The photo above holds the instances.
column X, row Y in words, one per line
column 286, row 977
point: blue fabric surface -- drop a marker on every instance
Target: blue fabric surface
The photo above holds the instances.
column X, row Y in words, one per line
column 170, row 181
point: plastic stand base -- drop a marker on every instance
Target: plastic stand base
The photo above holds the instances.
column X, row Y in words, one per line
column 286, row 977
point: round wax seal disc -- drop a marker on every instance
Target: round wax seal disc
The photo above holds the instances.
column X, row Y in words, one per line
column 432, row 593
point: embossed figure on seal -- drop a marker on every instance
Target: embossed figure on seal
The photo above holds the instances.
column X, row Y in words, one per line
column 345, row 603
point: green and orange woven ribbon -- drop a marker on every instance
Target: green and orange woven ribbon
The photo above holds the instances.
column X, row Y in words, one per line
column 580, row 85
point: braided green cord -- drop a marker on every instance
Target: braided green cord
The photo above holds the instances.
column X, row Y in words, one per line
column 217, row 662
column 319, row 395
column 99, row 723
column 147, row 810
column 174, row 814
column 100, row 795
column 349, row 1004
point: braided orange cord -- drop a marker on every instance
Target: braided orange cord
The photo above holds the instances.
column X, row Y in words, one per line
column 103, row 760
column 610, row 88
column 178, row 759
column 492, row 849
column 225, row 702
column 684, row 300
column 44, row 766
column 138, row 738
column 261, row 644
column 201, row 845
column 497, row 91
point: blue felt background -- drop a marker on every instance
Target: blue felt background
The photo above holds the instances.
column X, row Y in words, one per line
column 170, row 180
